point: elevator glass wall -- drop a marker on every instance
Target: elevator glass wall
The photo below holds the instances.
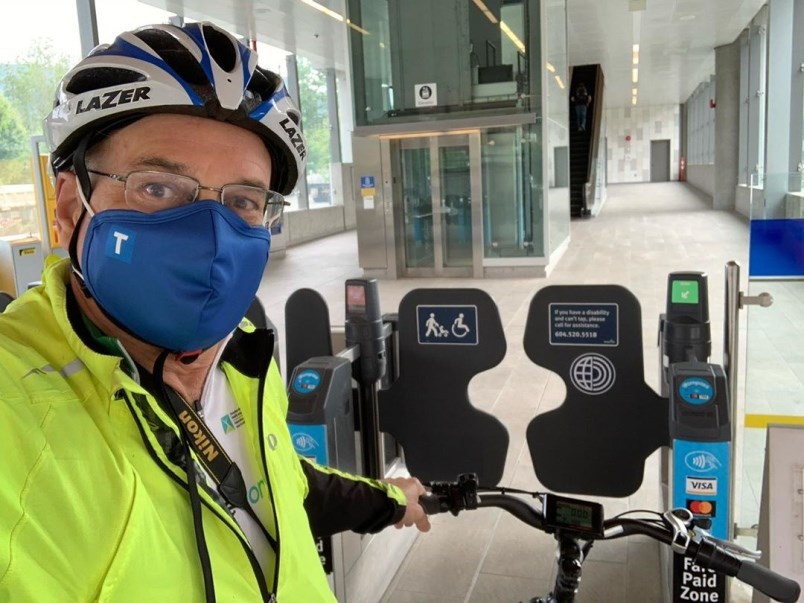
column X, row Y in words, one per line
column 426, row 73
column 473, row 55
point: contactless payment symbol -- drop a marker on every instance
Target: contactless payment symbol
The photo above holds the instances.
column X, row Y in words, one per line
column 701, row 461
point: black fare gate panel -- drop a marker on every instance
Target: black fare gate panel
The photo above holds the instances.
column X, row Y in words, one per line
column 597, row 441
column 446, row 337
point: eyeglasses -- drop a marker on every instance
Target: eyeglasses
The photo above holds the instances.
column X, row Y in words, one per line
column 148, row 192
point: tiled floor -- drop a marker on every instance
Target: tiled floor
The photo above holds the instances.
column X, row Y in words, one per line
column 643, row 232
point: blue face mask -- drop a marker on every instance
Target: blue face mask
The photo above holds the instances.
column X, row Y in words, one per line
column 181, row 278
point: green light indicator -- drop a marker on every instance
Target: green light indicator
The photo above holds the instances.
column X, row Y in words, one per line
column 684, row 292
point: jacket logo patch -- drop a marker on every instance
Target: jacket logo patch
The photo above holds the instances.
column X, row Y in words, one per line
column 109, row 100
column 295, row 136
column 232, row 421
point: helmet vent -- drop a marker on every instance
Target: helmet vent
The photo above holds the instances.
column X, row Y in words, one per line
column 220, row 48
column 174, row 54
column 263, row 85
column 101, row 77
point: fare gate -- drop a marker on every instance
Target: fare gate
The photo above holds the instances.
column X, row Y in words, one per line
column 406, row 376
column 401, row 378
column 697, row 468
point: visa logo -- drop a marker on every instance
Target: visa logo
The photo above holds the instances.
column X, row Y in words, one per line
column 702, row 485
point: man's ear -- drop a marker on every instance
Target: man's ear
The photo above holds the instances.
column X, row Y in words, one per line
column 68, row 207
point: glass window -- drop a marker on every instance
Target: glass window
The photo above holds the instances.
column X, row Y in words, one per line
column 753, row 69
column 314, row 99
column 32, row 61
column 117, row 16
column 701, row 125
column 555, row 183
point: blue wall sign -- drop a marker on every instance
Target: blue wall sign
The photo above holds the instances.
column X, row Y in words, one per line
column 307, row 381
column 447, row 325
column 584, row 324
column 776, row 248
column 310, row 441
column 367, row 182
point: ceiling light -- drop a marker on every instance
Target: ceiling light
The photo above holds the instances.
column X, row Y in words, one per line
column 687, row 18
column 485, row 9
column 550, row 68
column 323, row 9
column 635, row 75
column 356, row 27
column 559, row 82
column 634, row 91
column 512, row 36
column 633, row 100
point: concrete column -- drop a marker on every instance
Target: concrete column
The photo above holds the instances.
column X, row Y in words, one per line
column 777, row 141
column 727, row 124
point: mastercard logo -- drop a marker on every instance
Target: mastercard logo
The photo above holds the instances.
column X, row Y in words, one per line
column 704, row 508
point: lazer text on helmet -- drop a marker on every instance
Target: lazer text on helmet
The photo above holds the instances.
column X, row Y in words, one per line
column 295, row 137
column 111, row 99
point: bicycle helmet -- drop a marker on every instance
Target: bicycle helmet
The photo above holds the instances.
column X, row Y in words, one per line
column 198, row 69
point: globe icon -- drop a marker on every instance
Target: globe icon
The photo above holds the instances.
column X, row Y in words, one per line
column 592, row 374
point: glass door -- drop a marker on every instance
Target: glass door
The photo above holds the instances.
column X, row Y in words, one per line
column 440, row 177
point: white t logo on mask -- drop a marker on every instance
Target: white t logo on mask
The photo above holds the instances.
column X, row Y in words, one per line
column 118, row 247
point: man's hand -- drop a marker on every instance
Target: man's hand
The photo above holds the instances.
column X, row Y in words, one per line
column 414, row 514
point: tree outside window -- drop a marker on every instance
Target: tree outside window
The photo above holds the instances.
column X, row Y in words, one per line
column 317, row 130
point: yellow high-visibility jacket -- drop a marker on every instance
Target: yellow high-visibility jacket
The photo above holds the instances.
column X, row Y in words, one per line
column 94, row 503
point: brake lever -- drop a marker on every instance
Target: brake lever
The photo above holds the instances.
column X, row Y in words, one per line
column 728, row 545
column 681, row 536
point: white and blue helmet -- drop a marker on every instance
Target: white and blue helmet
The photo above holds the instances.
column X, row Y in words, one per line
column 198, row 69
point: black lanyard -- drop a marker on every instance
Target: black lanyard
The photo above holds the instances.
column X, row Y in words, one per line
column 223, row 470
column 219, row 466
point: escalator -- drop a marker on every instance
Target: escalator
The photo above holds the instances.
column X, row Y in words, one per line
column 584, row 140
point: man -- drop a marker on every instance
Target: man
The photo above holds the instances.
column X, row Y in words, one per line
column 145, row 451
column 582, row 100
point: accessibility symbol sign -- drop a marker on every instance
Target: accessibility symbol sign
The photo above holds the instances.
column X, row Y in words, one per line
column 447, row 325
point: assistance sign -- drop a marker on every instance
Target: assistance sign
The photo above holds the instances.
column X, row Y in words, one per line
column 584, row 324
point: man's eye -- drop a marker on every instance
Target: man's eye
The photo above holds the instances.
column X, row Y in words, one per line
column 243, row 203
column 157, row 190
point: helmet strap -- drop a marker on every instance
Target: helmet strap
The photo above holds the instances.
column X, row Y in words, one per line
column 84, row 192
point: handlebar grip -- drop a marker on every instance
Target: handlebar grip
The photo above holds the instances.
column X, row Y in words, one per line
column 431, row 503
column 769, row 582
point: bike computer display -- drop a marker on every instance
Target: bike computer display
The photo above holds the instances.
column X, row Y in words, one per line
column 572, row 514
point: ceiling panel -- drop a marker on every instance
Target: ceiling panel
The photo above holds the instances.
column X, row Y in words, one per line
column 676, row 37
column 676, row 43
column 291, row 25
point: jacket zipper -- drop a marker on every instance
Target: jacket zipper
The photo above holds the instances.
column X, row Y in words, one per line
column 261, row 424
column 222, row 514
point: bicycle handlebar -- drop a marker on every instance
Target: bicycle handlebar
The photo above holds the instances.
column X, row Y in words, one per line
column 699, row 546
